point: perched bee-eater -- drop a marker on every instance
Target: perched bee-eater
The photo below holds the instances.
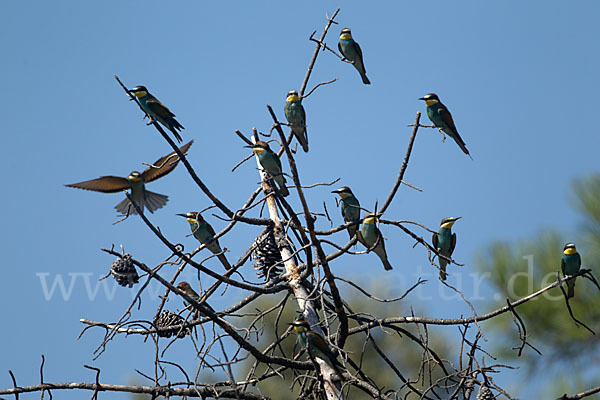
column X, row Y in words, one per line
column 350, row 208
column 157, row 111
column 296, row 117
column 270, row 163
column 444, row 242
column 373, row 237
column 440, row 116
column 187, row 289
column 570, row 264
column 352, row 52
column 316, row 345
column 204, row 233
column 136, row 182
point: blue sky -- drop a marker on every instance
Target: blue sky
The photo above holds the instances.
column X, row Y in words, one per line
column 519, row 77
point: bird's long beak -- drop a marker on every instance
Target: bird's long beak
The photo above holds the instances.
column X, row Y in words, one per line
column 182, row 215
column 335, row 191
column 249, row 147
column 457, row 218
column 421, row 98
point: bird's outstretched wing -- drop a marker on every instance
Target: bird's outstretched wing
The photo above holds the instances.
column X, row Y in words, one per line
column 170, row 161
column 159, row 108
column 104, row 184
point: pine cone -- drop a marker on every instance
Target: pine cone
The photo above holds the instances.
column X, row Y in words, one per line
column 124, row 271
column 167, row 319
column 485, row 393
column 266, row 255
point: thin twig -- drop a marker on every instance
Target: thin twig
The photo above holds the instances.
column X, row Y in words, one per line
column 319, row 84
column 403, row 167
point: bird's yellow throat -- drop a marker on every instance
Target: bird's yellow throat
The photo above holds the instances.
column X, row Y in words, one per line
column 570, row 251
column 431, row 102
column 258, row 150
column 140, row 94
column 345, row 36
column 292, row 98
column 344, row 195
column 448, row 225
column 369, row 220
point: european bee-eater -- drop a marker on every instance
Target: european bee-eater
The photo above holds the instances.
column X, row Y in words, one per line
column 316, row 345
column 352, row 52
column 187, row 289
column 350, row 208
column 136, row 182
column 296, row 117
column 204, row 233
column 444, row 242
column 569, row 265
column 440, row 116
column 270, row 163
column 157, row 110
column 373, row 237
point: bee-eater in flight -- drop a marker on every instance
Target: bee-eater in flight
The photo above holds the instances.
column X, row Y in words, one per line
column 136, row 182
